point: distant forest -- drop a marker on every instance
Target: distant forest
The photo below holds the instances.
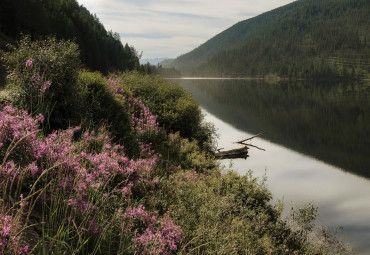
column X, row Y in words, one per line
column 101, row 50
column 306, row 39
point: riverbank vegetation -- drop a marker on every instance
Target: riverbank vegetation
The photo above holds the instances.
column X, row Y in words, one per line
column 120, row 164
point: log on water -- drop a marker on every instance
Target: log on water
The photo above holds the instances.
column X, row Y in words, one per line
column 238, row 153
column 235, row 153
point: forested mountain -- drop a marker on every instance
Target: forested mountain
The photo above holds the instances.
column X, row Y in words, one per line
column 100, row 49
column 307, row 39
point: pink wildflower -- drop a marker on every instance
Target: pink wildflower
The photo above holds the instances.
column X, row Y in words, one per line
column 23, row 250
column 47, row 85
column 34, row 169
column 8, row 236
column 29, row 64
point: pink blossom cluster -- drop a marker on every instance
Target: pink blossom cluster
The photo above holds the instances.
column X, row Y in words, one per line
column 8, row 236
column 29, row 64
column 91, row 163
column 18, row 131
column 80, row 165
column 116, row 86
column 83, row 165
column 35, row 79
column 153, row 236
column 142, row 120
column 17, row 125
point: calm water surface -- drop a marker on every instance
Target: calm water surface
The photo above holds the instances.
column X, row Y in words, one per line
column 316, row 144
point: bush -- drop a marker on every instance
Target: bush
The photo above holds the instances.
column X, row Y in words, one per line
column 130, row 122
column 102, row 107
column 177, row 111
column 42, row 79
column 87, row 191
column 224, row 213
column 232, row 214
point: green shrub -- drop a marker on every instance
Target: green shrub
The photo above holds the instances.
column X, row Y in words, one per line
column 223, row 214
column 101, row 107
column 42, row 79
column 187, row 154
column 177, row 111
column 232, row 214
column 2, row 74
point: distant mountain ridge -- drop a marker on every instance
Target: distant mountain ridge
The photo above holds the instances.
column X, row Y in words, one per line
column 307, row 38
column 152, row 61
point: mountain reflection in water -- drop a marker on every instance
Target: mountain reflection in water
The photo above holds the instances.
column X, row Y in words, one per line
column 328, row 121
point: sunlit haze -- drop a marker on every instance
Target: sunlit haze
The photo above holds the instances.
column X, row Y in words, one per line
column 168, row 28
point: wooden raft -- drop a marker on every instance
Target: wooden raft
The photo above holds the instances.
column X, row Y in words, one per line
column 240, row 152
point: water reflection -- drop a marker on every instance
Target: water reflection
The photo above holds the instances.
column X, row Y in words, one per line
column 342, row 198
column 327, row 121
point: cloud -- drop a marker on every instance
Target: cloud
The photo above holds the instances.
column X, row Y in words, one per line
column 168, row 28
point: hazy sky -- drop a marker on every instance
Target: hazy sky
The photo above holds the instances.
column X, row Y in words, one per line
column 169, row 28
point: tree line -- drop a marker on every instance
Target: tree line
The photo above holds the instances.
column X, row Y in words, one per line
column 101, row 50
column 305, row 39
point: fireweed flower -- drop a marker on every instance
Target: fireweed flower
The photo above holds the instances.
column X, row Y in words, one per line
column 36, row 80
column 142, row 120
column 89, row 164
column 29, row 64
column 154, row 235
column 45, row 87
column 8, row 236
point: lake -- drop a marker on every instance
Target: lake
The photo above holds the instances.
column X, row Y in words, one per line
column 317, row 144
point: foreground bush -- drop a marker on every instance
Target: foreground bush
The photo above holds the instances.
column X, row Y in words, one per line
column 42, row 79
column 102, row 107
column 229, row 213
column 177, row 111
column 85, row 190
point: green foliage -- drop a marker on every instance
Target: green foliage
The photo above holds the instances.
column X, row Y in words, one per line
column 310, row 39
column 166, row 72
column 100, row 49
column 177, row 111
column 229, row 213
column 302, row 224
column 101, row 107
column 42, row 79
column 180, row 152
column 159, row 70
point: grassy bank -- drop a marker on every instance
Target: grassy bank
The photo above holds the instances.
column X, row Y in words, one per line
column 121, row 165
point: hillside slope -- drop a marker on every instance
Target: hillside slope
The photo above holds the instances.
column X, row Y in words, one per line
column 100, row 49
column 307, row 38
